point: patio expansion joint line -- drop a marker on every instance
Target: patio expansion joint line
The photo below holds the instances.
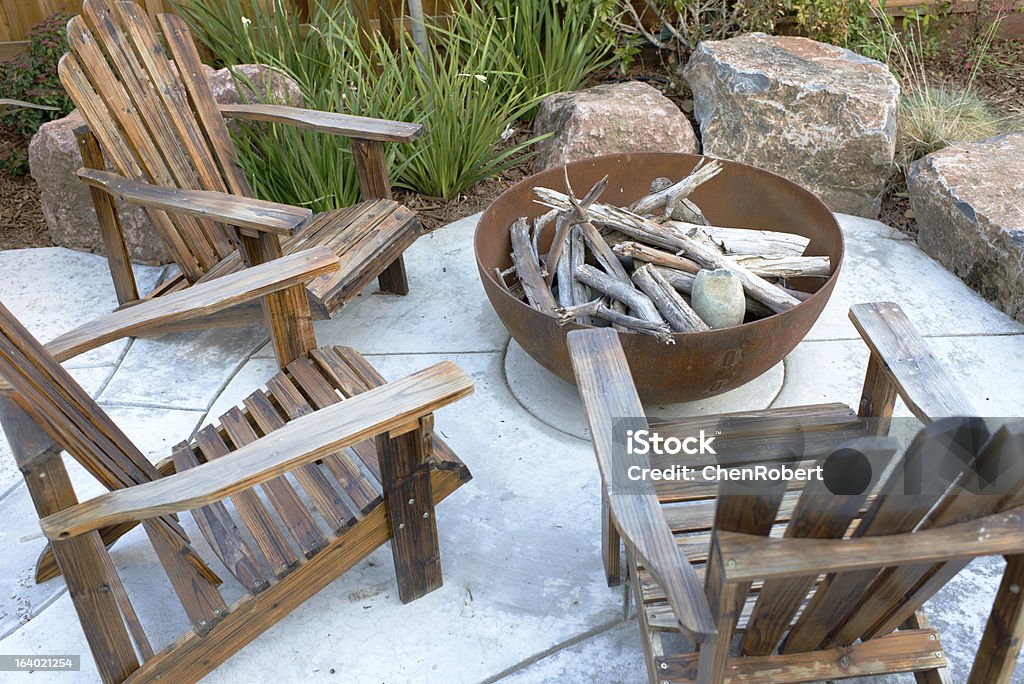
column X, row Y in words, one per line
column 37, row 611
column 561, row 646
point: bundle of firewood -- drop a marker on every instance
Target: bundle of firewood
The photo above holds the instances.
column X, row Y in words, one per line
column 656, row 267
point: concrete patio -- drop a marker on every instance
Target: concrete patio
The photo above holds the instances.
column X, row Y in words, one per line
column 524, row 598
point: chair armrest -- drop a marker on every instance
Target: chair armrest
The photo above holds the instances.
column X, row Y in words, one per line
column 242, row 212
column 388, row 408
column 905, row 360
column 610, row 401
column 201, row 299
column 361, row 127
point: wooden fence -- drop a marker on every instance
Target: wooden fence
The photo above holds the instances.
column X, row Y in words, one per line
column 17, row 17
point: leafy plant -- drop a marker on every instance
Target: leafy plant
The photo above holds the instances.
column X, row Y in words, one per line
column 32, row 76
column 933, row 114
column 467, row 91
column 559, row 44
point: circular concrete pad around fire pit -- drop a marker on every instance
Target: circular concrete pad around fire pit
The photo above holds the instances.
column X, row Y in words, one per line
column 556, row 403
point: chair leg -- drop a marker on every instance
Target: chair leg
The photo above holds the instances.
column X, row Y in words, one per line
column 997, row 654
column 393, row 280
column 79, row 558
column 611, row 545
column 405, row 476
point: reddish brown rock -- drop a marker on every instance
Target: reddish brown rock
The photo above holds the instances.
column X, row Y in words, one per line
column 609, row 119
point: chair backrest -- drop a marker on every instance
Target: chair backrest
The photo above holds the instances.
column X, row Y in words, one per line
column 952, row 472
column 156, row 119
column 66, row 412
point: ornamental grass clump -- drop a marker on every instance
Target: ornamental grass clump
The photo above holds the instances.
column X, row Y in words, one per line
column 934, row 116
column 478, row 78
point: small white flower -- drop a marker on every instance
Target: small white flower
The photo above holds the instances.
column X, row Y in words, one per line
column 246, row 21
column 507, row 133
column 479, row 77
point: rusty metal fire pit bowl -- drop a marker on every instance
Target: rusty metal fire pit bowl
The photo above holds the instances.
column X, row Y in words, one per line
column 698, row 365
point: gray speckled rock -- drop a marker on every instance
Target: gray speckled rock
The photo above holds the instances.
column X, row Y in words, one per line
column 609, row 119
column 718, row 298
column 817, row 114
column 67, row 205
column 969, row 203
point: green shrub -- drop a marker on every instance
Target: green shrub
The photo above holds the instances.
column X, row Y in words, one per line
column 32, row 76
column 481, row 76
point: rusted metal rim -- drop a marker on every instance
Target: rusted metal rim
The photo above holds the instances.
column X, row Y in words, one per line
column 699, row 365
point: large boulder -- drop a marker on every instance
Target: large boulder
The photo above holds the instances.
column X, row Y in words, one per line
column 67, row 205
column 820, row 115
column 608, row 119
column 967, row 199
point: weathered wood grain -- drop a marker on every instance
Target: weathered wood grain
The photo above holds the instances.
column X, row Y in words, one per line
column 307, row 438
column 326, row 122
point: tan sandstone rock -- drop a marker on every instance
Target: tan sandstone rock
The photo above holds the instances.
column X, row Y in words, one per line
column 820, row 115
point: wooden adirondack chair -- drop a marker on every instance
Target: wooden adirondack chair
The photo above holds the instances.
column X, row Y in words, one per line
column 345, row 460
column 157, row 122
column 806, row 586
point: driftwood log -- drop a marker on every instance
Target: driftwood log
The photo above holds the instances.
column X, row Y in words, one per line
column 764, row 242
column 651, row 231
column 637, row 301
column 527, row 265
column 598, row 309
column 680, row 316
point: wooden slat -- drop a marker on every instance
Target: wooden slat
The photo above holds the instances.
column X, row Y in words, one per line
column 117, row 149
column 364, row 494
column 326, row 122
column 922, row 382
column 122, row 29
column 602, row 376
column 294, row 405
column 220, row 530
column 739, row 509
column 130, row 98
column 819, row 514
column 139, row 30
column 897, row 509
column 1004, row 632
column 269, row 539
column 906, row 651
column 128, row 614
column 190, row 69
column 312, row 480
column 199, row 300
column 303, row 440
column 297, row 518
column 200, row 599
column 757, row 557
column 1006, row 448
column 244, row 212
